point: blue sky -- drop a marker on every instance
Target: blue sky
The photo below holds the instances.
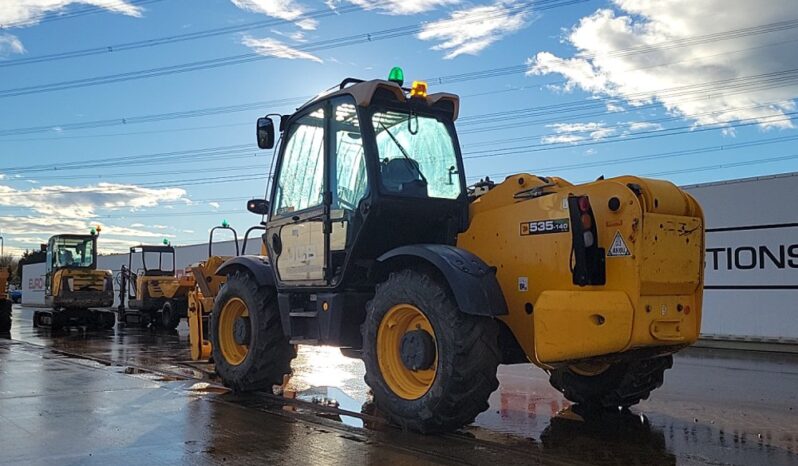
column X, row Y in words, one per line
column 576, row 89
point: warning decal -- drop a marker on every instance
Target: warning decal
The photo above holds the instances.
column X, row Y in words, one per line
column 618, row 247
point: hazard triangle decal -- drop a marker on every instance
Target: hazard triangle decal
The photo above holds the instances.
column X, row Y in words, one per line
column 618, row 247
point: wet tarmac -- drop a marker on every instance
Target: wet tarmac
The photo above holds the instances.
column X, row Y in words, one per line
column 132, row 396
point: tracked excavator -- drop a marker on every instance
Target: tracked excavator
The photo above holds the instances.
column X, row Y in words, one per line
column 375, row 244
column 76, row 292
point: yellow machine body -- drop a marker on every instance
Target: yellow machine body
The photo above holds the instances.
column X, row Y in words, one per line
column 651, row 299
column 80, row 288
column 200, row 304
column 157, row 289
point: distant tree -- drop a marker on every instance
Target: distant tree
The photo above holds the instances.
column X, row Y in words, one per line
column 9, row 262
column 30, row 257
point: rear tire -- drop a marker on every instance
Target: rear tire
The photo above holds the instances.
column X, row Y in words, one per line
column 623, row 384
column 466, row 355
column 267, row 358
column 5, row 315
column 170, row 316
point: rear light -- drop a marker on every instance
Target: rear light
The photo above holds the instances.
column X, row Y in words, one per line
column 587, row 222
column 584, row 204
column 587, row 259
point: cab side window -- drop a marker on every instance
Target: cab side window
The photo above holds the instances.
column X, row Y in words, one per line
column 301, row 179
column 350, row 163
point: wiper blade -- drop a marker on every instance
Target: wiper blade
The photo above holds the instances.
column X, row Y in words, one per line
column 412, row 165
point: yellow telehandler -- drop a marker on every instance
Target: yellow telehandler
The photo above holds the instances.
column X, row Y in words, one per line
column 208, row 284
column 376, row 245
column 74, row 288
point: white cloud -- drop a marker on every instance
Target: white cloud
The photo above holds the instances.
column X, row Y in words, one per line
column 471, row 30
column 29, row 12
column 571, row 133
column 643, row 126
column 397, row 7
column 73, row 209
column 636, row 52
column 82, row 202
column 10, row 44
column 612, row 107
column 274, row 48
column 215, row 205
column 283, row 9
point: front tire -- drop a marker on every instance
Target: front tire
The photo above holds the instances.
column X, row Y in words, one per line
column 250, row 350
column 431, row 367
column 620, row 385
column 170, row 316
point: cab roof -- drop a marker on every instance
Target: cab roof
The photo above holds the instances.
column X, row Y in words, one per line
column 363, row 92
column 73, row 236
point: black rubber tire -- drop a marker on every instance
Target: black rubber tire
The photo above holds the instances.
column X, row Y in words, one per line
column 107, row 320
column 623, row 384
column 269, row 354
column 169, row 316
column 467, row 349
column 5, row 315
column 57, row 320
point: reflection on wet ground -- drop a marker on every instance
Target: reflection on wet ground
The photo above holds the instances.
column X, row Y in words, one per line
column 717, row 406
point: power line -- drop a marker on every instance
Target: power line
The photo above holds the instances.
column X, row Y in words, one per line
column 49, row 17
column 215, row 152
column 624, row 138
column 253, row 56
column 654, row 156
column 481, row 74
column 125, row 46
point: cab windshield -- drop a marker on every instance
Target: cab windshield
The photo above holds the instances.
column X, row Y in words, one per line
column 417, row 155
column 73, row 252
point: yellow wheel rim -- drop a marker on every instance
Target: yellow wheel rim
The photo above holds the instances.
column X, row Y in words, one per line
column 404, row 382
column 589, row 369
column 233, row 352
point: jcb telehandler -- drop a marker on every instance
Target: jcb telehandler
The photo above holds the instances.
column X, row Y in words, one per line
column 74, row 288
column 208, row 284
column 155, row 293
column 375, row 246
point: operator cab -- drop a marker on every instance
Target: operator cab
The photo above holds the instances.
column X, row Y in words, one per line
column 156, row 261
column 72, row 252
column 366, row 158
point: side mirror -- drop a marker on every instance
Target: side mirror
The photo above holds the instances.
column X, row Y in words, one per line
column 265, row 130
column 258, row 206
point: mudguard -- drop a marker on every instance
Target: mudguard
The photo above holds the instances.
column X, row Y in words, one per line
column 471, row 280
column 257, row 266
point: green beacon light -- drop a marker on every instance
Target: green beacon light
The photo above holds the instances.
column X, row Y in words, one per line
column 166, row 242
column 225, row 224
column 93, row 231
column 397, row 75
